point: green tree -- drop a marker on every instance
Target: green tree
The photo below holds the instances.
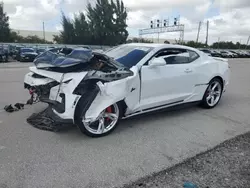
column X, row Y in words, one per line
column 195, row 44
column 82, row 33
column 103, row 24
column 107, row 22
column 100, row 22
column 68, row 33
column 15, row 37
column 139, row 40
column 5, row 35
column 33, row 39
column 119, row 18
column 57, row 39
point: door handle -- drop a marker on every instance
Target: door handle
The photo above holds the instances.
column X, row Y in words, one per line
column 188, row 71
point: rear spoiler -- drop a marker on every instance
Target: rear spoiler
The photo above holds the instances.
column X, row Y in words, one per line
column 220, row 59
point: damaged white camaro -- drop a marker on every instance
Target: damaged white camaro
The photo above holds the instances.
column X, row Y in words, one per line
column 94, row 90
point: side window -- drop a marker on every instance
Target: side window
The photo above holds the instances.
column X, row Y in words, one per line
column 182, row 58
column 193, row 55
column 176, row 60
column 178, row 56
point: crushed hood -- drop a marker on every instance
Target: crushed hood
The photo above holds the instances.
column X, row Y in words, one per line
column 50, row 59
column 59, row 77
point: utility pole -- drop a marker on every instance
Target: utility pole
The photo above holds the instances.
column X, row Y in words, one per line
column 43, row 33
column 247, row 42
column 218, row 42
column 239, row 43
column 198, row 34
column 207, row 33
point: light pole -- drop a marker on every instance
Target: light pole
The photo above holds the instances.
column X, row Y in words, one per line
column 43, row 33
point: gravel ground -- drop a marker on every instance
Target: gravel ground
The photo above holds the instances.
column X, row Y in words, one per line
column 226, row 165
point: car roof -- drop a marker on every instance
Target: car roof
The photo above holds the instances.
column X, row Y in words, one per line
column 154, row 45
column 159, row 45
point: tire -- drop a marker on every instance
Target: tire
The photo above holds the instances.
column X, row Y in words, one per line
column 212, row 97
column 92, row 128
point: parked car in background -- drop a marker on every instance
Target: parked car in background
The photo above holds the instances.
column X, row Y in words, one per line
column 226, row 54
column 244, row 53
column 231, row 54
column 40, row 50
column 215, row 53
column 3, row 55
column 248, row 53
column 26, row 54
column 206, row 51
column 236, row 54
column 212, row 53
column 16, row 51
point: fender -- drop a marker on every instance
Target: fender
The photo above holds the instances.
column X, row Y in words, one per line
column 109, row 93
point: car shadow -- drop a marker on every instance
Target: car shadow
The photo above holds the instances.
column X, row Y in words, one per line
column 138, row 122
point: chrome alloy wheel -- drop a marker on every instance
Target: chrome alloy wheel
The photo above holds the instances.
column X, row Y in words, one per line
column 105, row 122
column 213, row 93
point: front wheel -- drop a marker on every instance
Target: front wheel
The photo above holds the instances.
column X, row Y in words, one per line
column 213, row 93
column 106, row 122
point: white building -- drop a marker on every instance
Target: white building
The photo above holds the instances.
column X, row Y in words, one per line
column 49, row 36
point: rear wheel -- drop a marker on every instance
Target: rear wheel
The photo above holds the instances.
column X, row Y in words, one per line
column 213, row 94
column 106, row 122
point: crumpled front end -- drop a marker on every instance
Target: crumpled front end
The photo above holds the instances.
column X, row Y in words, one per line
column 56, row 89
column 94, row 85
column 62, row 91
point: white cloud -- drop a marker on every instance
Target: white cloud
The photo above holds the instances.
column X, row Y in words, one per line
column 203, row 7
column 149, row 5
column 59, row 28
column 29, row 14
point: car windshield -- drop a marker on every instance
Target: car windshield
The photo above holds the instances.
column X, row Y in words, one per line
column 128, row 55
column 27, row 50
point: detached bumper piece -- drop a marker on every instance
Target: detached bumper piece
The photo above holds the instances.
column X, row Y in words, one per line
column 49, row 121
column 59, row 107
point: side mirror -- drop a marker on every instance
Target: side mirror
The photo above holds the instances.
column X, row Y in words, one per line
column 156, row 62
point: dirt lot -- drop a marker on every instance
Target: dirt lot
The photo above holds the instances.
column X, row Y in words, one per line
column 226, row 165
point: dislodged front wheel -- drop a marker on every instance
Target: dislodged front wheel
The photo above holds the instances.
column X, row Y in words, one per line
column 105, row 123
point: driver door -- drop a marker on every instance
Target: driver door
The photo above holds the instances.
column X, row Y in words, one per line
column 169, row 82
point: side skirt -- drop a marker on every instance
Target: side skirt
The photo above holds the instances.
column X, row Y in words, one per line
column 162, row 107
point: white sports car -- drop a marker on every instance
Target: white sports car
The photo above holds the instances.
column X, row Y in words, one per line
column 94, row 90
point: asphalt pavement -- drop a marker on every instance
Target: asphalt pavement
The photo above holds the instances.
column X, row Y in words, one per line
column 32, row 158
